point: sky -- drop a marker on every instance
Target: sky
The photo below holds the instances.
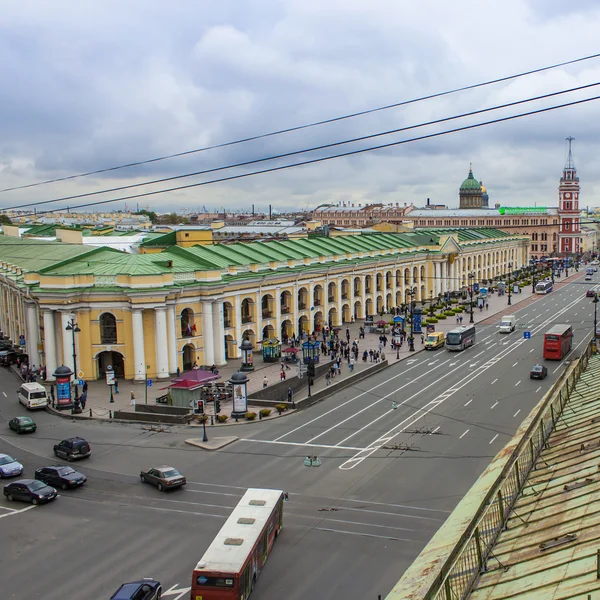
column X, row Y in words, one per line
column 93, row 85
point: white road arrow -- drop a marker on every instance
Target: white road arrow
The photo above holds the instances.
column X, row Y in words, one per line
column 452, row 364
column 177, row 593
column 473, row 364
column 432, row 362
column 411, row 360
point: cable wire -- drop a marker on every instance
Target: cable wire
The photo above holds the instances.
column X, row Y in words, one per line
column 306, row 150
column 306, row 126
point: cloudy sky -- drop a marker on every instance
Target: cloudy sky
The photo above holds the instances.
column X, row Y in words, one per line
column 91, row 85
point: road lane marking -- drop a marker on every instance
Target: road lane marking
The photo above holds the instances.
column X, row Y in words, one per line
column 517, row 413
column 432, row 432
column 492, row 406
column 493, row 382
column 177, row 592
column 518, row 382
column 474, row 364
column 371, row 535
column 469, row 402
column 557, row 368
column 463, row 435
column 515, row 365
column 531, row 350
column 360, row 396
column 329, row 447
column 493, row 439
column 5, row 394
column 536, row 391
column 17, row 512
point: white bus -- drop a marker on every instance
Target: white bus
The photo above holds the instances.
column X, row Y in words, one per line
column 543, row 287
column 460, row 338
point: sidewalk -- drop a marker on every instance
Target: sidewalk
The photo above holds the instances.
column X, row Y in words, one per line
column 98, row 399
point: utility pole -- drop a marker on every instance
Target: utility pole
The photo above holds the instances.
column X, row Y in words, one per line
column 509, row 284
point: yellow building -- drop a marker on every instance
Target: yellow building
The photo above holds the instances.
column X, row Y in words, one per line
column 149, row 314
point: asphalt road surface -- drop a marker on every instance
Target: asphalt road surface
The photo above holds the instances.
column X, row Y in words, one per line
column 388, row 480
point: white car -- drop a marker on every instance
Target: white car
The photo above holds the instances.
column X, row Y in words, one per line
column 9, row 467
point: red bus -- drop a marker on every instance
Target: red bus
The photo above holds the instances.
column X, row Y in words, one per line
column 558, row 342
column 231, row 565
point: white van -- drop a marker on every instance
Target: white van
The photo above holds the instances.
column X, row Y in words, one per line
column 508, row 323
column 32, row 395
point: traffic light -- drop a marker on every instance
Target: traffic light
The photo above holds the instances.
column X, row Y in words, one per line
column 217, row 407
column 200, row 409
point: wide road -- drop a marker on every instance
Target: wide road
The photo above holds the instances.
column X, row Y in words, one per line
column 388, row 480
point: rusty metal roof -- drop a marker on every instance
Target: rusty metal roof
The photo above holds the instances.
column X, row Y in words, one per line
column 549, row 548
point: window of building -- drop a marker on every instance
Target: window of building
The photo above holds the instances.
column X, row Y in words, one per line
column 108, row 329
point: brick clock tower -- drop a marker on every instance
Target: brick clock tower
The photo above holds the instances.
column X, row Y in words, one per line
column 568, row 208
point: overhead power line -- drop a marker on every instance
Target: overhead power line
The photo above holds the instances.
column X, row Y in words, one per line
column 304, row 150
column 324, row 158
column 308, row 125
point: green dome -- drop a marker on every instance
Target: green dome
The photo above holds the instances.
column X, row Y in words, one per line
column 470, row 183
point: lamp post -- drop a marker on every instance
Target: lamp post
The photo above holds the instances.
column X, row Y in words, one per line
column 509, row 285
column 411, row 342
column 74, row 328
column 472, row 281
column 595, row 317
column 533, row 284
column 431, row 303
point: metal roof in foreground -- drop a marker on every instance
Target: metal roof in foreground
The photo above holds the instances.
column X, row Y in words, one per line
column 550, row 546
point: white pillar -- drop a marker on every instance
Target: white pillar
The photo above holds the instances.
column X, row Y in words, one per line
column 219, row 333
column 33, row 334
column 207, row 333
column 67, row 337
column 363, row 295
column 49, row 344
column 238, row 324
column 172, row 338
column 162, row 350
column 438, row 278
column 139, row 357
column 278, row 313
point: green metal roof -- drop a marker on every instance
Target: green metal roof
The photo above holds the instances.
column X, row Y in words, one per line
column 41, row 231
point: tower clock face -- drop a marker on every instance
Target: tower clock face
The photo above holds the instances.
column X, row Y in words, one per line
column 567, row 195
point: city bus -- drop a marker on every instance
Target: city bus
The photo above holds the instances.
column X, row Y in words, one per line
column 460, row 338
column 558, row 341
column 232, row 563
column 543, row 287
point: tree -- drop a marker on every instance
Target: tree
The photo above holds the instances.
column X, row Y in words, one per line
column 150, row 214
column 4, row 220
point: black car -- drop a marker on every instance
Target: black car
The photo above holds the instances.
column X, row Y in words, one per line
column 144, row 589
column 60, row 477
column 30, row 490
column 10, row 357
column 538, row 372
column 590, row 293
column 72, row 448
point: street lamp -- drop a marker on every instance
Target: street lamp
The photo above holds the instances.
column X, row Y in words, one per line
column 411, row 341
column 533, row 283
column 595, row 316
column 509, row 286
column 472, row 281
column 431, row 303
column 74, row 328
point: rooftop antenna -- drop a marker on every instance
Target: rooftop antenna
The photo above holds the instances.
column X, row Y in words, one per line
column 570, row 163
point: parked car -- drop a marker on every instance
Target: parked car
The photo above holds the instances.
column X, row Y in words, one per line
column 9, row 467
column 164, row 478
column 72, row 449
column 538, row 372
column 590, row 293
column 144, row 589
column 30, row 490
column 5, row 345
column 60, row 477
column 10, row 357
column 22, row 425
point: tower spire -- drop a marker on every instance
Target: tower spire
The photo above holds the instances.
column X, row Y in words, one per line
column 570, row 164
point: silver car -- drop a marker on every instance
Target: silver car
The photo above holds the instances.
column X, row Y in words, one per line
column 9, row 467
column 164, row 478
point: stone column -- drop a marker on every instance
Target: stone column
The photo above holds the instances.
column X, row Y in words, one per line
column 49, row 344
column 238, row 324
column 67, row 337
column 207, row 333
column 219, row 333
column 172, row 338
column 278, row 313
column 438, row 278
column 162, row 349
column 33, row 334
column 139, row 357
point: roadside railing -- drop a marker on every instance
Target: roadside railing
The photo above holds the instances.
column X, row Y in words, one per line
column 466, row 560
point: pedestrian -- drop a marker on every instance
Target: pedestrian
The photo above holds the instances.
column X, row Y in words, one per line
column 281, row 375
column 178, row 372
column 327, row 378
column 371, row 355
column 52, row 395
column 487, row 306
column 85, row 387
column 365, row 356
column 290, row 394
column 351, row 364
column 461, row 320
column 265, row 381
column 83, row 400
column 422, row 339
column 457, row 319
column 116, row 385
column 132, row 399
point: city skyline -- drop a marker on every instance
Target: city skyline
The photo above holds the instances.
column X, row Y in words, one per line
column 180, row 80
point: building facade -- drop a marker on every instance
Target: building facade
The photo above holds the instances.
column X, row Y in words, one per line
column 349, row 214
column 147, row 315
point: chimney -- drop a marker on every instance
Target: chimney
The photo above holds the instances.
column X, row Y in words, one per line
column 270, row 213
column 427, row 201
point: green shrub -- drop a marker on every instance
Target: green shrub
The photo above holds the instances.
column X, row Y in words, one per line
column 250, row 416
column 265, row 412
column 280, row 408
column 432, row 320
column 441, row 316
column 222, row 418
column 449, row 313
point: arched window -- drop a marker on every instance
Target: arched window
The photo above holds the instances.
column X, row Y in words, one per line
column 108, row 329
